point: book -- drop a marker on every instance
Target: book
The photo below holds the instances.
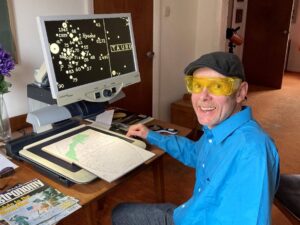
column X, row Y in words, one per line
column 104, row 155
column 35, row 202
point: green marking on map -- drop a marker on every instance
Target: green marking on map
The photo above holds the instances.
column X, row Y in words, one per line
column 77, row 139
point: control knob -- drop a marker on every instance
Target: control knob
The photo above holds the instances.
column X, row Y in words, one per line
column 107, row 92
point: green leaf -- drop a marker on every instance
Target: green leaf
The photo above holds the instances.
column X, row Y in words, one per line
column 4, row 85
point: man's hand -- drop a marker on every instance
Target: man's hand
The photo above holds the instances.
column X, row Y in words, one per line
column 138, row 130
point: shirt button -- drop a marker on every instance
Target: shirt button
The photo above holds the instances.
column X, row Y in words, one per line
column 199, row 190
column 209, row 140
column 203, row 165
column 183, row 206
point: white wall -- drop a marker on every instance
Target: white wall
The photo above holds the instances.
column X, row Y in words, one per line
column 177, row 48
column 28, row 43
column 294, row 54
column 211, row 26
column 188, row 29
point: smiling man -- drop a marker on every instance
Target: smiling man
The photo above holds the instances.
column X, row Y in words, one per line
column 236, row 162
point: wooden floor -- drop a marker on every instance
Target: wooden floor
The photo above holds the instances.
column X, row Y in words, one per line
column 278, row 111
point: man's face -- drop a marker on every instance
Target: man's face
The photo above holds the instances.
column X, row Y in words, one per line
column 211, row 109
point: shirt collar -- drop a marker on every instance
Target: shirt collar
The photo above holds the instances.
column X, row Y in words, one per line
column 224, row 129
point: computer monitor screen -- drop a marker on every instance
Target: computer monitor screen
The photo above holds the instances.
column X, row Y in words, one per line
column 88, row 57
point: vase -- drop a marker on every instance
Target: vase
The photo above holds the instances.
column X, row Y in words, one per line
column 5, row 130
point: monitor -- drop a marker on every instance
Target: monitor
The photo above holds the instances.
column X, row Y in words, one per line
column 88, row 57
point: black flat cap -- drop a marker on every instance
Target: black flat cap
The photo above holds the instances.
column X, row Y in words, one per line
column 224, row 63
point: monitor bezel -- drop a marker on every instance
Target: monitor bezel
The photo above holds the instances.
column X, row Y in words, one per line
column 67, row 96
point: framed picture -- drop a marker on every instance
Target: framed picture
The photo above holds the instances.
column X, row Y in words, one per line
column 238, row 15
column 7, row 29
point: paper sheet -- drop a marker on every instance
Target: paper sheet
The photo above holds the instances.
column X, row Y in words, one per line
column 104, row 119
column 4, row 162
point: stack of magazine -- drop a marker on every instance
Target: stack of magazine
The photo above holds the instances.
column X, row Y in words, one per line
column 33, row 203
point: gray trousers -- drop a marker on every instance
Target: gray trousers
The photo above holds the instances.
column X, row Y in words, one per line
column 143, row 214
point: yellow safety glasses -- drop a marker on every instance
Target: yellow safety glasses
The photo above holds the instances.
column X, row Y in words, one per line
column 216, row 86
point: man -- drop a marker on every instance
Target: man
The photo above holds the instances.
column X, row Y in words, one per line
column 236, row 162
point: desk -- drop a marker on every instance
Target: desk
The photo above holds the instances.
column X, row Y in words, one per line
column 89, row 195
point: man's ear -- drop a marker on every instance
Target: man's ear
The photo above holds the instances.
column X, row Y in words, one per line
column 242, row 92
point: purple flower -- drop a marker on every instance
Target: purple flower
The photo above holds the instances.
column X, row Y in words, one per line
column 6, row 63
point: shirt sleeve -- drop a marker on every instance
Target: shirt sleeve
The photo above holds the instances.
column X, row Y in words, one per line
column 181, row 148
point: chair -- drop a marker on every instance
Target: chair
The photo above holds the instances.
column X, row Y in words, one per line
column 287, row 198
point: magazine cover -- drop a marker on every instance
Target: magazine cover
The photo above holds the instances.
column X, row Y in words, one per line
column 33, row 203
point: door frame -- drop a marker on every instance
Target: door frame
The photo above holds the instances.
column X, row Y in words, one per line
column 156, row 58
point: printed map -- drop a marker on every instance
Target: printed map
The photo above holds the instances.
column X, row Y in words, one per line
column 106, row 156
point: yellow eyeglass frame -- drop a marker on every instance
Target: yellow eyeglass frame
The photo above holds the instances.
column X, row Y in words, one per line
column 217, row 85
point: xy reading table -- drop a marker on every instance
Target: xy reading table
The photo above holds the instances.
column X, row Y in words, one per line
column 89, row 195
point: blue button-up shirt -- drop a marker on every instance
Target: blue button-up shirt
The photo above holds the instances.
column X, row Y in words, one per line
column 237, row 172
